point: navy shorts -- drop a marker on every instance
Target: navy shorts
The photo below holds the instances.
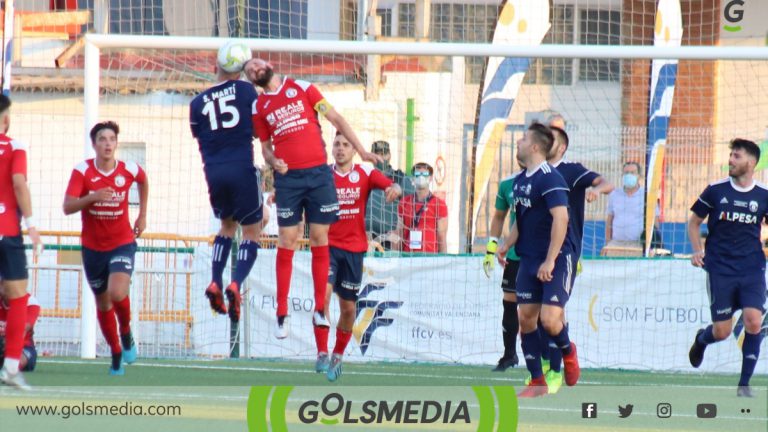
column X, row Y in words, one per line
column 99, row 265
column 233, row 190
column 311, row 191
column 13, row 258
column 555, row 292
column 346, row 273
column 30, row 353
column 729, row 293
column 509, row 278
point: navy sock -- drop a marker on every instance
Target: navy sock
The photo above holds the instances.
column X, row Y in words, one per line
column 544, row 338
column 532, row 350
column 221, row 248
column 555, row 355
column 750, row 350
column 509, row 326
column 562, row 341
column 706, row 337
column 246, row 256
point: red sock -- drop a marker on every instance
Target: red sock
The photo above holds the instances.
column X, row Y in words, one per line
column 284, row 267
column 321, row 261
column 109, row 329
column 321, row 338
column 342, row 339
column 14, row 327
column 123, row 312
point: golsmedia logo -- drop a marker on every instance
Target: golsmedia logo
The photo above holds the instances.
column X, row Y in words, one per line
column 481, row 408
column 334, row 409
column 733, row 14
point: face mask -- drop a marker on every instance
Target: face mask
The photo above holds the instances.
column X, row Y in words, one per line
column 421, row 182
column 630, row 180
column 383, row 166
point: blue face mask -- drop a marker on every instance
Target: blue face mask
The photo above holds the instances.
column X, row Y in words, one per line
column 629, row 180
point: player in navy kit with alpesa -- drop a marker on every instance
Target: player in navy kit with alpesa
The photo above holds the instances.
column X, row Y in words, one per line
column 735, row 208
column 286, row 122
column 543, row 241
column 584, row 185
column 220, row 118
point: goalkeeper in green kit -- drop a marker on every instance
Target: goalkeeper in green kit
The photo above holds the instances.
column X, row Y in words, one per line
column 505, row 201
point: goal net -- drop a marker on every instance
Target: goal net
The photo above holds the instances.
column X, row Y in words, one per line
column 627, row 310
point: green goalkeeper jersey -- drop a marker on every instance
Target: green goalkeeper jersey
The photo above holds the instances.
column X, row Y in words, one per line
column 505, row 200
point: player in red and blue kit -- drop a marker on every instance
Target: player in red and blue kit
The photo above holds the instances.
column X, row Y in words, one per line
column 98, row 189
column 546, row 247
column 15, row 204
column 286, row 122
column 733, row 258
column 584, row 185
column 348, row 244
column 220, row 118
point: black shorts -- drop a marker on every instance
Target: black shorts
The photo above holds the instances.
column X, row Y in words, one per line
column 99, row 265
column 346, row 273
column 509, row 278
column 311, row 191
column 13, row 258
column 233, row 190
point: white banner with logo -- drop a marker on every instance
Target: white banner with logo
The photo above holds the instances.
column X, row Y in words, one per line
column 631, row 314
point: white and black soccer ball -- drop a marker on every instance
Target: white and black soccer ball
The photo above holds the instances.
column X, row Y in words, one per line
column 233, row 56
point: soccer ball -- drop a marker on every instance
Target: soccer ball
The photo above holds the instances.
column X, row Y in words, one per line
column 232, row 56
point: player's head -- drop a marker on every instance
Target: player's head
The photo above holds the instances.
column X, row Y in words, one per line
column 556, row 120
column 104, row 139
column 538, row 140
column 630, row 174
column 560, row 146
column 5, row 111
column 343, row 150
column 743, row 158
column 259, row 71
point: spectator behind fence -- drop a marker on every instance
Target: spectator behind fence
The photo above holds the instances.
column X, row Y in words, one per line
column 422, row 217
column 625, row 224
column 381, row 216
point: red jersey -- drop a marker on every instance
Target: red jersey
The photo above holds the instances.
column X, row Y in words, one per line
column 33, row 311
column 106, row 225
column 13, row 160
column 289, row 117
column 420, row 216
column 352, row 189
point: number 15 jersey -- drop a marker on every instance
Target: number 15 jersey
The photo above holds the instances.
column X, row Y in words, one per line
column 220, row 118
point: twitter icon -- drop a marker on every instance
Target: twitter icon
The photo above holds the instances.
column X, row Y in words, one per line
column 626, row 411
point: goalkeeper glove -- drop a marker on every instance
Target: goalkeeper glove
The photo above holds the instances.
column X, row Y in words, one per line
column 490, row 256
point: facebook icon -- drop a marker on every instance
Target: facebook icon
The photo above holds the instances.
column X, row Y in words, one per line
column 589, row 410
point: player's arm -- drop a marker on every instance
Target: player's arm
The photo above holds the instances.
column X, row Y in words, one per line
column 75, row 201
column 21, row 191
column 141, row 220
column 556, row 239
column 509, row 242
column 497, row 225
column 694, row 235
column 341, row 124
column 600, row 185
column 392, row 190
column 268, row 152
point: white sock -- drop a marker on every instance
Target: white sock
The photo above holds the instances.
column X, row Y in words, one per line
column 12, row 366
